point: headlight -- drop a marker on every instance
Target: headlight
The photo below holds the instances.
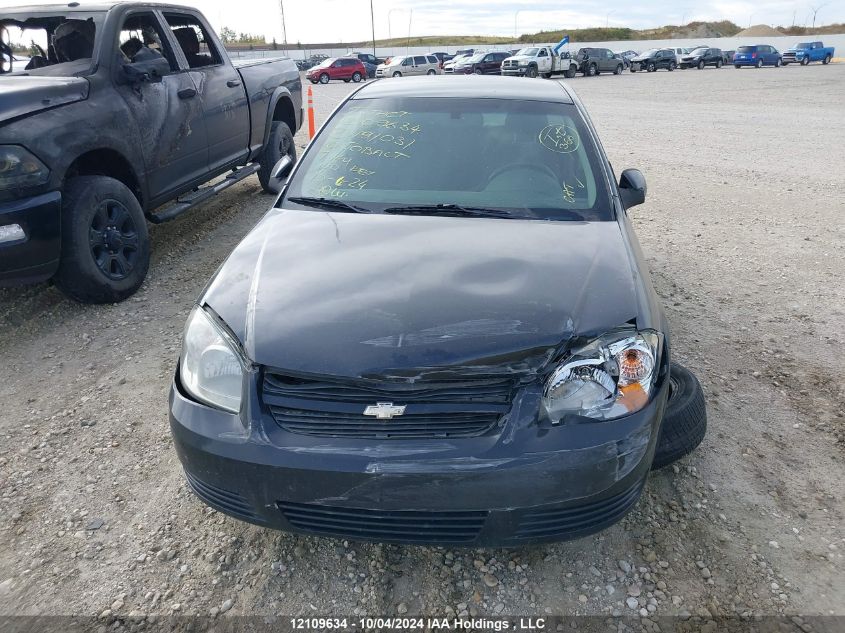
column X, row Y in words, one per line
column 610, row 377
column 20, row 168
column 211, row 367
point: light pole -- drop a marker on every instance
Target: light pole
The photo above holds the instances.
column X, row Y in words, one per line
column 607, row 19
column 749, row 19
column 410, row 19
column 515, row 18
column 389, row 30
column 284, row 28
column 373, row 22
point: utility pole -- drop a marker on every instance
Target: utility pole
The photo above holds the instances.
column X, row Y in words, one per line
column 410, row 18
column 373, row 21
column 515, row 18
column 284, row 28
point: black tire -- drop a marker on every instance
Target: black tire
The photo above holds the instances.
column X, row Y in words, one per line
column 346, row 81
column 826, row 60
column 684, row 420
column 618, row 70
column 105, row 247
column 569, row 73
column 737, row 66
column 531, row 72
column 279, row 143
column 651, row 67
column 324, row 78
column 547, row 75
column 592, row 70
column 434, row 72
column 805, row 60
column 672, row 66
column 777, row 63
column 701, row 64
column 356, row 77
column 719, row 64
column 759, row 64
column 632, row 69
column 397, row 74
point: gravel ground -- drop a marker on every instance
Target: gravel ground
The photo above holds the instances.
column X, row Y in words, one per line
column 743, row 232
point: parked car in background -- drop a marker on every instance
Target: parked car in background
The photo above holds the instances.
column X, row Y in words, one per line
column 449, row 66
column 534, row 61
column 727, row 56
column 482, row 64
column 345, row 68
column 703, row 56
column 807, row 52
column 371, row 70
column 679, row 53
column 408, row 65
column 107, row 131
column 368, row 58
column 655, row 59
column 442, row 57
column 758, row 56
column 594, row 61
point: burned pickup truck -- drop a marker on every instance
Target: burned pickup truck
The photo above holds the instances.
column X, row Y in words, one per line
column 119, row 116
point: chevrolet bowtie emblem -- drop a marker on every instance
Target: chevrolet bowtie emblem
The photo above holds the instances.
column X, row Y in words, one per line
column 384, row 410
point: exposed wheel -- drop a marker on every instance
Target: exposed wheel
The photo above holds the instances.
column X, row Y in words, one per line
column 477, row 71
column 397, row 74
column 826, row 60
column 685, row 418
column 356, row 77
column 324, row 78
column 777, row 63
column 672, row 66
column 618, row 70
column 313, row 81
column 105, row 247
column 279, row 143
column 651, row 67
column 737, row 66
column 346, row 81
column 719, row 63
column 701, row 64
column 592, row 70
column 633, row 70
column 547, row 75
column 434, row 72
column 805, row 60
column 531, row 72
column 569, row 73
column 759, row 64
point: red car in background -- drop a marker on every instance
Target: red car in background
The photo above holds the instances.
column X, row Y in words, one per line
column 346, row 68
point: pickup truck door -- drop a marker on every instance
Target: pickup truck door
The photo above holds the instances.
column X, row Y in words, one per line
column 219, row 88
column 170, row 124
column 544, row 60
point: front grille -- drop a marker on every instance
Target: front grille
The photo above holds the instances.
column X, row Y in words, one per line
column 401, row 526
column 433, row 409
column 572, row 521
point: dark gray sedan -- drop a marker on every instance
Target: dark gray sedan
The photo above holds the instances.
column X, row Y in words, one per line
column 443, row 332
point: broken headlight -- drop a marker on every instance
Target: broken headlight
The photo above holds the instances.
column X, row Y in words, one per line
column 608, row 378
column 20, row 168
column 211, row 367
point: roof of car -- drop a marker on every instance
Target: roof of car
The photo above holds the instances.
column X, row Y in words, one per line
column 85, row 7
column 473, row 86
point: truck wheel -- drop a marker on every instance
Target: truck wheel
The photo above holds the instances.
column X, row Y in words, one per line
column 805, row 60
column 324, row 78
column 684, row 420
column 105, row 247
column 632, row 69
column 826, row 60
column 531, row 72
column 672, row 66
column 592, row 70
column 618, row 70
column 719, row 63
column 547, row 75
column 279, row 143
column 737, row 66
column 569, row 73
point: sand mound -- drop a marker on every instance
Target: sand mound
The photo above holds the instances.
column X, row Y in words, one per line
column 759, row 30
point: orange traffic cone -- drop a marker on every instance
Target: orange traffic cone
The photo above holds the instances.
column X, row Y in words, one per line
column 310, row 113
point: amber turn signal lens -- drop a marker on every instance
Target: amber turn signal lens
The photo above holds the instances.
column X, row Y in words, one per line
column 633, row 366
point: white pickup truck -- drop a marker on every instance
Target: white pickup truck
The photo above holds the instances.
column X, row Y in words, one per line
column 539, row 60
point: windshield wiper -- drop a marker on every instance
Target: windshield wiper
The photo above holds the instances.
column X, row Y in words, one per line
column 328, row 203
column 455, row 210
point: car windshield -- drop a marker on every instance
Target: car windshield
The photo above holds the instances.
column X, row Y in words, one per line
column 57, row 44
column 326, row 62
column 746, row 49
column 650, row 53
column 528, row 52
column 396, row 61
column 477, row 57
column 700, row 50
column 527, row 159
column 804, row 45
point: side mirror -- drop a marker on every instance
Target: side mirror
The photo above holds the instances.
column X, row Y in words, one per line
column 632, row 188
column 149, row 69
column 281, row 170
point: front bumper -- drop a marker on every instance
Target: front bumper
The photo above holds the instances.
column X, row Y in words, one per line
column 35, row 256
column 524, row 484
column 518, row 71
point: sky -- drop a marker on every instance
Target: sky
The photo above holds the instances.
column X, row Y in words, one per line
column 349, row 20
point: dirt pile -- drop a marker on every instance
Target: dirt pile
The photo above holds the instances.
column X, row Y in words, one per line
column 759, row 30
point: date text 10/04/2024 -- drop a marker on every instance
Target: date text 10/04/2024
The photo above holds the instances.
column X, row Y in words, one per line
column 419, row 623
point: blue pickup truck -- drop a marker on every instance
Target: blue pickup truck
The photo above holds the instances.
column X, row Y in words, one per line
column 807, row 52
column 123, row 114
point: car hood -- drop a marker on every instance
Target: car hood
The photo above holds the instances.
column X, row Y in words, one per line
column 640, row 58
column 519, row 58
column 24, row 95
column 363, row 295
